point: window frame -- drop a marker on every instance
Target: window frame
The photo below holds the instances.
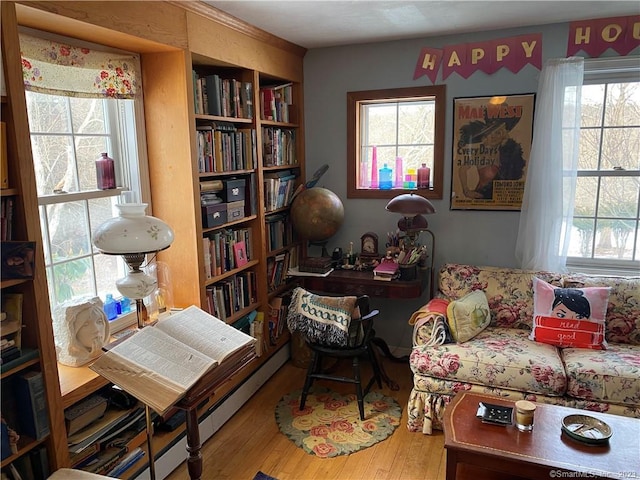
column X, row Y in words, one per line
column 132, row 174
column 602, row 71
column 438, row 92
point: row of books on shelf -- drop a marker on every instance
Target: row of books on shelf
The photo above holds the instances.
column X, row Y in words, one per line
column 253, row 324
column 226, row 250
column 109, row 443
column 25, row 416
column 6, row 218
column 9, row 350
column 278, row 146
column 280, row 231
column 231, row 295
column 222, row 147
column 278, row 189
column 278, row 267
column 278, row 310
column 275, row 102
column 226, row 97
column 32, row 465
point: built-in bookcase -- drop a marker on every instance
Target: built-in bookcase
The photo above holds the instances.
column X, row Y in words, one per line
column 191, row 148
column 246, row 138
column 30, row 387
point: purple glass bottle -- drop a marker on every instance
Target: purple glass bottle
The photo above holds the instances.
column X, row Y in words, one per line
column 105, row 172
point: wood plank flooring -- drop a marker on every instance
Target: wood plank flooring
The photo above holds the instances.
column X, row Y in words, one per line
column 251, row 441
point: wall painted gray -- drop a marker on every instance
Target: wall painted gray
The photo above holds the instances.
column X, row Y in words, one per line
column 474, row 237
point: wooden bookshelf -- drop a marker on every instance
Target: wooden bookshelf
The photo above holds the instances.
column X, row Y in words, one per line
column 36, row 334
column 173, row 38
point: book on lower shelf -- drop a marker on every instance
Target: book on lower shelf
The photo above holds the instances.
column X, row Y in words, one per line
column 159, row 364
column 32, row 404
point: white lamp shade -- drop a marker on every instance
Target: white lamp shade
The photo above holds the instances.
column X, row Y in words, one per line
column 132, row 232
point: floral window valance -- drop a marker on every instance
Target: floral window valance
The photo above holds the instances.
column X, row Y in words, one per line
column 59, row 69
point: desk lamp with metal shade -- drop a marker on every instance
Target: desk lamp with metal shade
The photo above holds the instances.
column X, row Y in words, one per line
column 134, row 235
column 413, row 207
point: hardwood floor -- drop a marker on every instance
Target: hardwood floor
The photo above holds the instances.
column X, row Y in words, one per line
column 250, row 441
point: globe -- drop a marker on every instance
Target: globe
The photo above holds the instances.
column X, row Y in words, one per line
column 317, row 214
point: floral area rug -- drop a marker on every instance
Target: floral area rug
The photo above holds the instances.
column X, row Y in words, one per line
column 330, row 423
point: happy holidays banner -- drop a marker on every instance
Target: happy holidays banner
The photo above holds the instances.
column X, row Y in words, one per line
column 622, row 34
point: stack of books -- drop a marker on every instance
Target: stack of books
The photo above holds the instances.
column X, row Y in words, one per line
column 386, row 271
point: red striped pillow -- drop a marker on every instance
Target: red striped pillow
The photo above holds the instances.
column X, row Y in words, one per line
column 569, row 317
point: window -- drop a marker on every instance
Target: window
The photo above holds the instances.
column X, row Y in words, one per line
column 68, row 134
column 606, row 229
column 401, row 127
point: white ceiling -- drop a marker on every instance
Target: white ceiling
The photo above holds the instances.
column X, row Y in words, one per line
column 315, row 24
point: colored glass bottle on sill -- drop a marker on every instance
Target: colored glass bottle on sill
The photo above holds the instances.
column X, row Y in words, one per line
column 110, row 308
column 397, row 182
column 374, row 167
column 105, row 172
column 424, row 174
column 385, row 178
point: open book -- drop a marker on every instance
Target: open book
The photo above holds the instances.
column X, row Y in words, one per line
column 159, row 364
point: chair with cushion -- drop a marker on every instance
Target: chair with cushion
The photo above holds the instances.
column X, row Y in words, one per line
column 335, row 327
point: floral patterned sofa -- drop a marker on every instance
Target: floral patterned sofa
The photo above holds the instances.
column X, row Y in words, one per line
column 502, row 361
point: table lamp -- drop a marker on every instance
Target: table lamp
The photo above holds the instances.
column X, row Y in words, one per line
column 412, row 207
column 133, row 235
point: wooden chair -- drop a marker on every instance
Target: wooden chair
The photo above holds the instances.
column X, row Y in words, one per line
column 359, row 345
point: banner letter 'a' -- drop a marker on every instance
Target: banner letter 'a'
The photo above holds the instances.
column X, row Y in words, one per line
column 455, row 59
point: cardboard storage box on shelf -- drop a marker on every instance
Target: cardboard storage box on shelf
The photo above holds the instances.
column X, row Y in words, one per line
column 233, row 190
column 214, row 215
column 235, row 210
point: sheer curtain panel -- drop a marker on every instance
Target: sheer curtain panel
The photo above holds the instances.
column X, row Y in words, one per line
column 547, row 206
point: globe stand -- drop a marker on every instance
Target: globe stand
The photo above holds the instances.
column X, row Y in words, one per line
column 323, row 244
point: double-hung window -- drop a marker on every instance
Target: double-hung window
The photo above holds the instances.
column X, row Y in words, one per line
column 606, row 223
column 92, row 109
column 400, row 130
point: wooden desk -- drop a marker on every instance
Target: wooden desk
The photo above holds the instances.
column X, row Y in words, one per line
column 351, row 282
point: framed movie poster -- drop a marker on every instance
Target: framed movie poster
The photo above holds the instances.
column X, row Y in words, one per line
column 491, row 151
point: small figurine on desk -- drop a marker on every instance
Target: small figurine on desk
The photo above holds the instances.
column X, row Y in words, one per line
column 82, row 333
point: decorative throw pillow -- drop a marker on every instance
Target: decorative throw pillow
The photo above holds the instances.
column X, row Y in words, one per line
column 468, row 316
column 569, row 317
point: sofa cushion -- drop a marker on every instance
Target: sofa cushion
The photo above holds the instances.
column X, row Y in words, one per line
column 468, row 316
column 509, row 291
column 569, row 317
column 496, row 357
column 623, row 310
column 611, row 376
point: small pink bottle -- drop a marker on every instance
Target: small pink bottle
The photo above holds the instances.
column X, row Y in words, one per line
column 374, row 167
column 105, row 172
column 397, row 182
column 424, row 174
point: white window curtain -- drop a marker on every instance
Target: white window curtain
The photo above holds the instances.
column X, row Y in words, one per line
column 56, row 68
column 547, row 206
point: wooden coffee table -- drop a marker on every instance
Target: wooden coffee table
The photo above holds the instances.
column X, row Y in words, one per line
column 474, row 448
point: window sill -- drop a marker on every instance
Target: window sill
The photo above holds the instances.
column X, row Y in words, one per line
column 604, row 270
